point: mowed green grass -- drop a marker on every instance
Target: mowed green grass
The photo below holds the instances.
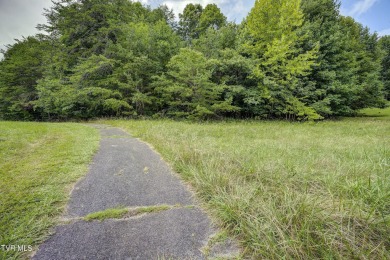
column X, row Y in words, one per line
column 39, row 163
column 286, row 190
column 382, row 114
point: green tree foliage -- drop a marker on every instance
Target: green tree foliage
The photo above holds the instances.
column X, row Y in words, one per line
column 211, row 17
column 196, row 20
column 366, row 60
column 189, row 22
column 347, row 61
column 165, row 14
column 384, row 43
column 288, row 59
column 231, row 69
column 22, row 67
column 214, row 40
column 144, row 50
column 89, row 27
column 187, row 91
column 325, row 87
column 273, row 41
column 138, row 43
column 89, row 92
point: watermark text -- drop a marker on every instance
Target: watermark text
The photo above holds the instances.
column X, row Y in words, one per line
column 16, row 248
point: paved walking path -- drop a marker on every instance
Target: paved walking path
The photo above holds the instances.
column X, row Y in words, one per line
column 127, row 173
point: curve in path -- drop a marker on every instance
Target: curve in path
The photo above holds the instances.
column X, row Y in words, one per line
column 127, row 173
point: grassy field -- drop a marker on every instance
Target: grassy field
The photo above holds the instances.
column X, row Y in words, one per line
column 287, row 190
column 38, row 164
column 378, row 113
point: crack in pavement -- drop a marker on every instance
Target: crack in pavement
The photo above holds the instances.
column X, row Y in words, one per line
column 132, row 212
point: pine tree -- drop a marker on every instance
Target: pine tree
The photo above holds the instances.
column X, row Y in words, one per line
column 384, row 43
column 186, row 90
column 346, row 77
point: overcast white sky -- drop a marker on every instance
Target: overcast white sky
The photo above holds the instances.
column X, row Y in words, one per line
column 19, row 17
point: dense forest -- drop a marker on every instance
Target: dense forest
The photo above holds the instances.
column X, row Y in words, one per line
column 288, row 59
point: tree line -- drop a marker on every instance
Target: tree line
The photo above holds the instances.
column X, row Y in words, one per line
column 288, row 59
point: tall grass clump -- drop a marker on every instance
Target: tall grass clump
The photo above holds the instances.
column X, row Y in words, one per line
column 287, row 190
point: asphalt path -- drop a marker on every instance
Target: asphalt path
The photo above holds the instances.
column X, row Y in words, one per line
column 126, row 172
